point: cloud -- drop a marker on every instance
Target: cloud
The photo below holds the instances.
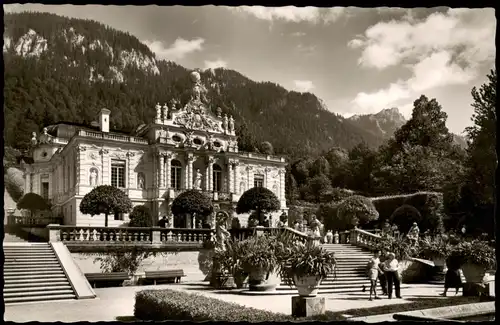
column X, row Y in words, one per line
column 294, row 14
column 303, row 85
column 306, row 49
column 215, row 64
column 298, row 34
column 444, row 49
column 178, row 50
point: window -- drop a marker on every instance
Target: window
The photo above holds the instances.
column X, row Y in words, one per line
column 119, row 216
column 217, row 178
column 175, row 175
column 118, row 173
column 258, row 180
column 45, row 190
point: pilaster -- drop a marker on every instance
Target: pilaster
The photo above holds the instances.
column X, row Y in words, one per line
column 168, row 169
column 190, row 160
column 27, row 181
column 80, row 158
column 236, row 180
column 210, row 162
column 105, row 168
column 267, row 183
column 161, row 163
column 132, row 181
column 282, row 184
column 249, row 170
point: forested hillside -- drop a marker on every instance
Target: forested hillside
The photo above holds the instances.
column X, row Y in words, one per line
column 62, row 69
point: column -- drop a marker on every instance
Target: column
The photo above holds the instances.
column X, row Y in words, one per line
column 236, row 168
column 162, row 170
column 267, row 170
column 190, row 172
column 282, row 184
column 168, row 169
column 230, row 175
column 207, row 179
column 211, row 161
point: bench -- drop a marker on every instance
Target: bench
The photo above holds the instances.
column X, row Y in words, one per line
column 165, row 275
column 113, row 277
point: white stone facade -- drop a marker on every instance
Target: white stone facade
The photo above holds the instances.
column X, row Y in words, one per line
column 153, row 165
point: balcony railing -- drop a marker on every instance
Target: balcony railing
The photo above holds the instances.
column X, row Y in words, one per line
column 114, row 137
column 363, row 238
column 126, row 236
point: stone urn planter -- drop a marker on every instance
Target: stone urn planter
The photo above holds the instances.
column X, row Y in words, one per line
column 308, row 286
column 257, row 281
column 473, row 272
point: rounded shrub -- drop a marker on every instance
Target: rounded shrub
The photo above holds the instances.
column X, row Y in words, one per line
column 357, row 210
column 140, row 217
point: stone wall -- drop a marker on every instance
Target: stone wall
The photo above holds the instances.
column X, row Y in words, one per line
column 187, row 261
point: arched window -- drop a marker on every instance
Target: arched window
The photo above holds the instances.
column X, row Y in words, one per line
column 217, row 178
column 175, row 174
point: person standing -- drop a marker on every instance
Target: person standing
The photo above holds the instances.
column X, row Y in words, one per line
column 392, row 274
column 329, row 237
column 373, row 273
column 162, row 222
column 452, row 278
column 381, row 276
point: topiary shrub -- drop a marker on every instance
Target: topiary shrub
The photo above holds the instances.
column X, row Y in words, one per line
column 105, row 199
column 160, row 305
column 405, row 216
column 140, row 217
column 33, row 202
column 191, row 203
column 357, row 210
column 259, row 200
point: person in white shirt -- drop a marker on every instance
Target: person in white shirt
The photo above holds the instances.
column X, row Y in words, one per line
column 391, row 269
column 373, row 273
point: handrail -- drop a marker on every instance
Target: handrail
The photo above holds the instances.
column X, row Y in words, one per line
column 363, row 238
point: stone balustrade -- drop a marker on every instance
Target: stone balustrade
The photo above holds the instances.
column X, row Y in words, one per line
column 363, row 238
column 97, row 238
column 29, row 221
column 114, row 137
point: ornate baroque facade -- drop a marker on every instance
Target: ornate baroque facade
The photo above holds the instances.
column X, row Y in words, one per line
column 184, row 148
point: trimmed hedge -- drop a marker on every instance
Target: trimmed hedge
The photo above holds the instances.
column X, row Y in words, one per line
column 159, row 305
column 429, row 204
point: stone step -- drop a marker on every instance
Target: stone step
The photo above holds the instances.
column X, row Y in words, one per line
column 10, row 279
column 58, row 270
column 35, row 283
column 38, row 298
column 22, row 268
column 38, row 293
column 30, row 259
column 58, row 288
column 32, row 281
column 37, row 254
column 33, row 272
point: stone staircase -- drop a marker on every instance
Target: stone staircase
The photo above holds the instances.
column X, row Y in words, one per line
column 350, row 274
column 32, row 273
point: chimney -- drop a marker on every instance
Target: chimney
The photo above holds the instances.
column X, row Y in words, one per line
column 104, row 120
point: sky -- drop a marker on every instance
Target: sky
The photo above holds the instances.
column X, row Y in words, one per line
column 356, row 60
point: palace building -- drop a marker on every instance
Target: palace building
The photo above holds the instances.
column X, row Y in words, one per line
column 183, row 148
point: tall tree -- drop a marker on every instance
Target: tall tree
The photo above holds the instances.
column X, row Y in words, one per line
column 479, row 190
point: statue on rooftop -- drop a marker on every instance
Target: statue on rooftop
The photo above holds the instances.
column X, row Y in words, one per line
column 45, row 137
column 165, row 111
column 34, row 141
column 225, row 123
column 158, row 111
column 231, row 124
